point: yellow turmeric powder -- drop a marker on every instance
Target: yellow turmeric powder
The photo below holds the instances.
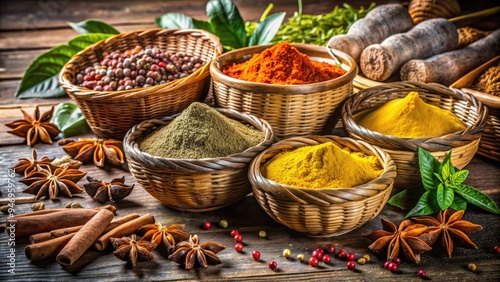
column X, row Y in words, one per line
column 410, row 117
column 322, row 166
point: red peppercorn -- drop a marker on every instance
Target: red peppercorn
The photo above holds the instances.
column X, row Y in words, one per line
column 256, row 255
column 234, row 232
column 392, row 267
column 207, row 225
column 326, row 259
column 273, row 265
column 342, row 254
column 320, row 250
column 331, row 249
column 397, row 260
column 162, row 64
column 238, row 238
column 422, row 274
column 351, row 265
column 351, row 256
column 316, row 254
column 238, row 247
column 497, row 249
column 313, row 261
column 386, row 264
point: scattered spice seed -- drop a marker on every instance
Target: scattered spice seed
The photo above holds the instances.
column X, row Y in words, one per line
column 313, row 261
column 238, row 247
column 273, row 265
column 316, row 254
column 38, row 206
column 223, row 223
column 422, row 274
column 234, row 232
column 342, row 254
column 300, row 257
column 238, row 238
column 331, row 249
column 262, row 234
column 497, row 249
column 351, row 265
column 366, row 257
column 361, row 261
column 397, row 260
column 207, row 225
column 73, row 205
column 472, row 267
column 287, row 253
column 256, row 255
column 386, row 264
column 351, row 256
column 392, row 267
column 326, row 259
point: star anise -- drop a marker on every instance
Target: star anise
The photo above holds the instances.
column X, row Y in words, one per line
column 167, row 235
column 449, row 228
column 191, row 252
column 97, row 149
column 26, row 166
column 34, row 128
column 404, row 237
column 130, row 249
column 102, row 191
column 49, row 182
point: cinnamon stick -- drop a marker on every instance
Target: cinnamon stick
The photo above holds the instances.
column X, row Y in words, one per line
column 47, row 249
column 84, row 238
column 123, row 230
column 47, row 211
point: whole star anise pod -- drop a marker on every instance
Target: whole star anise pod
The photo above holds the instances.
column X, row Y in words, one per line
column 449, row 228
column 166, row 235
column 130, row 249
column 102, row 191
column 97, row 149
column 48, row 182
column 404, row 237
column 26, row 166
column 34, row 128
column 191, row 252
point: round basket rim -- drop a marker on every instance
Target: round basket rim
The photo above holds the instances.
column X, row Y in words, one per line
column 128, row 142
column 344, row 58
column 437, row 143
column 387, row 163
column 82, row 92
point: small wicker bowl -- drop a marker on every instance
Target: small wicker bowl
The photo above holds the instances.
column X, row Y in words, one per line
column 322, row 212
column 403, row 151
column 292, row 110
column 110, row 114
column 490, row 140
column 194, row 185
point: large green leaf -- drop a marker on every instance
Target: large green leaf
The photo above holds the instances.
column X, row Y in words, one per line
column 38, row 80
column 69, row 118
column 477, row 198
column 205, row 25
column 459, row 176
column 227, row 23
column 426, row 205
column 459, row 203
column 444, row 196
column 93, row 26
column 267, row 29
column 174, row 20
column 428, row 166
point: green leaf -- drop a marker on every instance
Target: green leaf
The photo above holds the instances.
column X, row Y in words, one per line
column 174, row 20
column 459, row 176
column 267, row 29
column 227, row 22
column 205, row 25
column 428, row 166
column 447, row 169
column 69, row 118
column 477, row 198
column 448, row 197
column 459, row 203
column 407, row 198
column 426, row 205
column 93, row 26
column 39, row 76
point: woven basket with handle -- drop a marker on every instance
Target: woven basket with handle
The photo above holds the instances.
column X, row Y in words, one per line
column 195, row 185
column 110, row 114
column 403, row 151
column 292, row 110
column 322, row 212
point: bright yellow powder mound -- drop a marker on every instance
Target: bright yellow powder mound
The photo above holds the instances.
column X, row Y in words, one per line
column 322, row 166
column 410, row 117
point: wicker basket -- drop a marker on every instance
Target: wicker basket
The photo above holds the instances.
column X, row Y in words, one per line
column 490, row 140
column 322, row 212
column 194, row 185
column 292, row 110
column 404, row 150
column 111, row 114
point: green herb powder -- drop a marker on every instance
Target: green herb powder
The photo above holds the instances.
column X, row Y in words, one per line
column 200, row 132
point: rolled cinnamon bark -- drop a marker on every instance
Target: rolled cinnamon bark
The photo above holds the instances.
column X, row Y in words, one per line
column 47, row 249
column 84, row 238
column 123, row 230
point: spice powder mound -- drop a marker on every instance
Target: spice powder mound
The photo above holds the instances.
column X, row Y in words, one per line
column 283, row 64
column 200, row 132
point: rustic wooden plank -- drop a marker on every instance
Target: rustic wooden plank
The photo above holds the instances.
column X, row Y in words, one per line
column 8, row 99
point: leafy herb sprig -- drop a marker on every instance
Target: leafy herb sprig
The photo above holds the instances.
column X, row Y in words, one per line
column 443, row 188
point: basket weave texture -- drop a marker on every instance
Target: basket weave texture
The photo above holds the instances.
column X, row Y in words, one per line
column 322, row 212
column 403, row 151
column 194, row 185
column 111, row 114
column 292, row 110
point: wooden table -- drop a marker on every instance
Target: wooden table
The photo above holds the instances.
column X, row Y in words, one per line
column 28, row 29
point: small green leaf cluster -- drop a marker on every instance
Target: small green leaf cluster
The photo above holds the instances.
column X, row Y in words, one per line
column 444, row 188
column 227, row 24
